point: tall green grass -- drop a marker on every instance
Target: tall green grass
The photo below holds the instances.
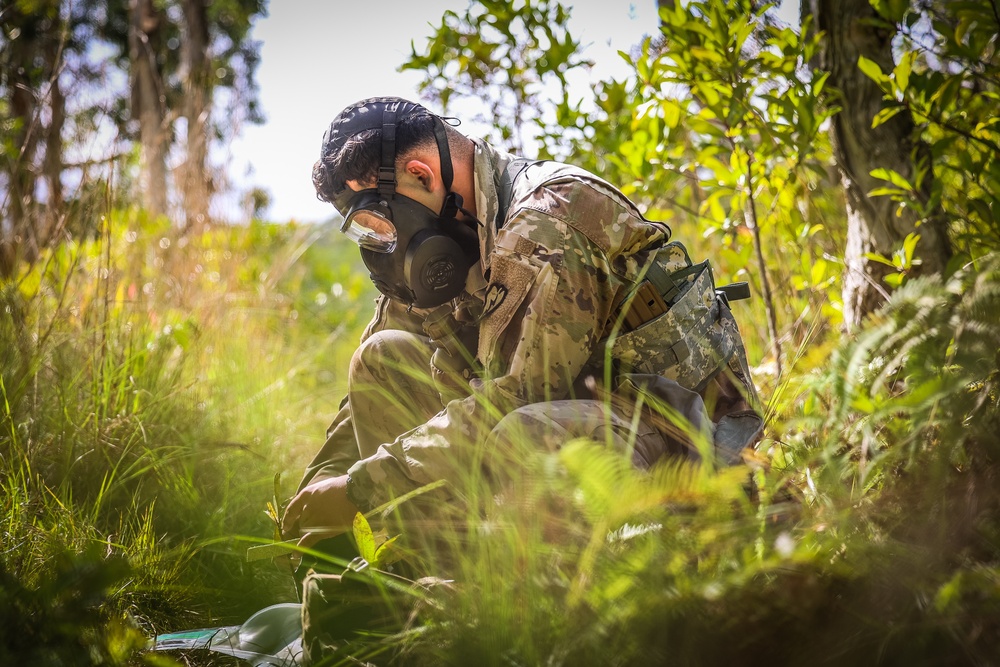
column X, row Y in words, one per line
column 151, row 385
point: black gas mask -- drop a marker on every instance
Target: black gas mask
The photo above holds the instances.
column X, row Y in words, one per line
column 416, row 256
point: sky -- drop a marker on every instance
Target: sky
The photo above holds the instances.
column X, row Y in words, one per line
column 318, row 56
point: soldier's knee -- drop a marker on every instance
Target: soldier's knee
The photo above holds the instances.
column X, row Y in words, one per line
column 389, row 351
column 533, row 424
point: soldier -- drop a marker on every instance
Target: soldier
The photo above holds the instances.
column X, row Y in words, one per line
column 516, row 296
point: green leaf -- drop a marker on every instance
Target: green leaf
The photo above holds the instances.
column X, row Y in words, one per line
column 819, row 83
column 818, row 271
column 671, row 113
column 871, row 70
column 885, row 114
column 364, row 538
column 386, row 554
column 909, row 245
column 875, row 257
column 948, row 91
column 706, row 54
column 892, row 10
column 962, row 29
column 949, row 595
column 901, row 72
column 893, row 177
column 891, row 192
column 982, row 208
column 894, row 280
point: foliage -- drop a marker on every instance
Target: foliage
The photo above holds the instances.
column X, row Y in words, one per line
column 150, row 384
column 65, row 621
column 741, row 118
column 43, row 47
column 719, row 131
column 505, row 53
column 869, row 531
column 947, row 76
column 70, row 108
column 920, row 384
column 866, row 533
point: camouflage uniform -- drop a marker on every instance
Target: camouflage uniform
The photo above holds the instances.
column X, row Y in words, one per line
column 540, row 315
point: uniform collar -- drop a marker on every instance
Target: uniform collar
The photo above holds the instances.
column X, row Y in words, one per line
column 489, row 165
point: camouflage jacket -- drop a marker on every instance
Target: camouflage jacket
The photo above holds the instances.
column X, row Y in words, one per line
column 552, row 273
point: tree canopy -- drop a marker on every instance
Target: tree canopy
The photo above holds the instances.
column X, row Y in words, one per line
column 138, row 78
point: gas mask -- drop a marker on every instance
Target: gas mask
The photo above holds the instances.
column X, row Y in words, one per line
column 415, row 255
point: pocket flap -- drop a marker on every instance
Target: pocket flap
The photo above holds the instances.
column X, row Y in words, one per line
column 511, row 278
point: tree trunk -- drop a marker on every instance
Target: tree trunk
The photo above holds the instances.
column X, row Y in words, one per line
column 52, row 168
column 197, row 93
column 16, row 241
column 872, row 223
column 148, row 103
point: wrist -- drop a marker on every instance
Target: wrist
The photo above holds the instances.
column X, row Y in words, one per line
column 355, row 494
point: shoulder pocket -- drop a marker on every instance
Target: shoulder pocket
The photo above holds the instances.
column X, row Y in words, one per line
column 511, row 278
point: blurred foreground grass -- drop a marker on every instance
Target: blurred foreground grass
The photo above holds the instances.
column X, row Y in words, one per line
column 152, row 384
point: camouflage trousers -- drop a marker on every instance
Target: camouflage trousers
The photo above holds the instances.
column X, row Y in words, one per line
column 394, row 387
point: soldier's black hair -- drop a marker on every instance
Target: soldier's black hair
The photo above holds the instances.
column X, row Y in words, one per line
column 357, row 157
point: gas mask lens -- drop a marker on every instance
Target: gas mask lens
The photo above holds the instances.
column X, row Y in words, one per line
column 371, row 230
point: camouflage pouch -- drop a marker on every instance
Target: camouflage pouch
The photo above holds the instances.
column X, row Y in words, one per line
column 690, row 343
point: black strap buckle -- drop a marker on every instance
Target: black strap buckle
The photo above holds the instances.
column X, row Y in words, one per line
column 733, row 292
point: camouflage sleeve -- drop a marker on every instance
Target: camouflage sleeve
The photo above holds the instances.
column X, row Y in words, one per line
column 391, row 314
column 340, row 451
column 550, row 294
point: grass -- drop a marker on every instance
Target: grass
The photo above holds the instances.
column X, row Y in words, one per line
column 865, row 531
column 151, row 385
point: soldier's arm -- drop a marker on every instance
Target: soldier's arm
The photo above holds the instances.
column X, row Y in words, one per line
column 340, row 451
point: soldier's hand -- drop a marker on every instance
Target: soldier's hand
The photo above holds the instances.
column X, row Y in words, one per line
column 319, row 511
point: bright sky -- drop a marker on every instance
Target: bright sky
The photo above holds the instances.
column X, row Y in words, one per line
column 319, row 56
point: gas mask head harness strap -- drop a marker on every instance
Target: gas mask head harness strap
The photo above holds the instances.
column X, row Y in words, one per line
column 416, row 256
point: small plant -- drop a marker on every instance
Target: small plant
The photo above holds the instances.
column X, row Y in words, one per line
column 376, row 556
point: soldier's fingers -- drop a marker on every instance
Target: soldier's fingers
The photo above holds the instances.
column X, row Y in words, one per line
column 290, row 521
column 309, row 539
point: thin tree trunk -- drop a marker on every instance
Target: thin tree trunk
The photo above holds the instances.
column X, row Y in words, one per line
column 197, row 94
column 21, row 169
column 53, row 165
column 750, row 214
column 872, row 223
column 147, row 105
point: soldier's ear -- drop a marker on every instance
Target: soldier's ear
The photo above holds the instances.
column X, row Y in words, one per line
column 422, row 173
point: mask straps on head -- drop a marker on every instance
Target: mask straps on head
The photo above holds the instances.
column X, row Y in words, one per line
column 452, row 201
column 387, row 166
